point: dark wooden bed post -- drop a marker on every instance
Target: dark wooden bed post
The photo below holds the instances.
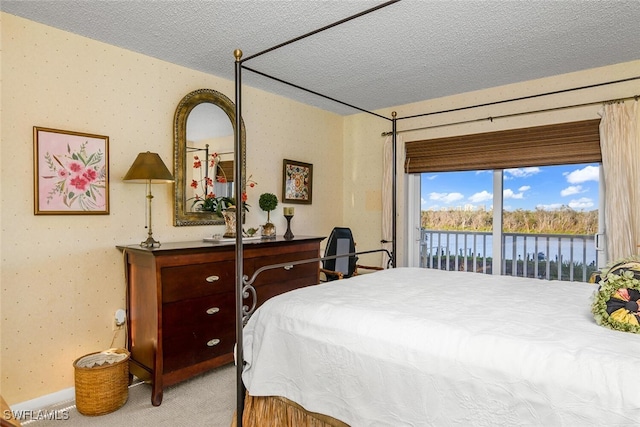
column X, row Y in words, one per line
column 239, row 264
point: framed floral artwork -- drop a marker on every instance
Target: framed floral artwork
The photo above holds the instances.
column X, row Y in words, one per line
column 297, row 179
column 71, row 172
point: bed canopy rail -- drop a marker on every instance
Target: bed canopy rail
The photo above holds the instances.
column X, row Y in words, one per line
column 521, row 98
column 316, row 93
column 240, row 62
column 319, row 30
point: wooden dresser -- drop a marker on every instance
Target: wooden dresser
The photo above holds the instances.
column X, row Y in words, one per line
column 181, row 301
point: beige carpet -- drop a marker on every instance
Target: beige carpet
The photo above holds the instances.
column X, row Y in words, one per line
column 207, row 400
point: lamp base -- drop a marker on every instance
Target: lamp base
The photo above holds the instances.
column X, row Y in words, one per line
column 150, row 243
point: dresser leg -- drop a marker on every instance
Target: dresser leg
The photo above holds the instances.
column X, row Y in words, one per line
column 156, row 396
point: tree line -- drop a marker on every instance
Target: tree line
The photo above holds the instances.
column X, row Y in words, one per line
column 539, row 221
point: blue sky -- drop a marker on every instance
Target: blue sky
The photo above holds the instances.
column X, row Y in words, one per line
column 548, row 187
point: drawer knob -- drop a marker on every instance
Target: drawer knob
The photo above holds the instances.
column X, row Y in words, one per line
column 212, row 279
column 288, row 267
column 213, row 310
column 213, row 342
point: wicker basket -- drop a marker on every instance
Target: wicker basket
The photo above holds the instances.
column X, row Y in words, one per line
column 101, row 389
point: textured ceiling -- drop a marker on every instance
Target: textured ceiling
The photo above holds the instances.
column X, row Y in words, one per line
column 406, row 52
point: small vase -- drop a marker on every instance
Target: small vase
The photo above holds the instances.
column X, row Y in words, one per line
column 269, row 231
column 229, row 222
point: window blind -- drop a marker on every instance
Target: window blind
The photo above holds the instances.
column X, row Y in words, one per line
column 564, row 143
column 227, row 168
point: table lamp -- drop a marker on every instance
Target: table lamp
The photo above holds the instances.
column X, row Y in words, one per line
column 149, row 168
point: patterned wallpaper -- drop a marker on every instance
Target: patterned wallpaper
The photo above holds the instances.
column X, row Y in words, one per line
column 62, row 277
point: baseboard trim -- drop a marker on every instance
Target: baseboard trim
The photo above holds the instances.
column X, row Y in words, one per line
column 53, row 399
column 48, row 400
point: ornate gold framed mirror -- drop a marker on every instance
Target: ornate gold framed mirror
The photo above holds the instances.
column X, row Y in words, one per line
column 204, row 169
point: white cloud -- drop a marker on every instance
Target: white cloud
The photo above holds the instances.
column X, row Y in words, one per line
column 571, row 190
column 508, row 193
column 588, row 173
column 480, row 197
column 522, row 172
column 431, row 177
column 524, row 188
column 581, row 203
column 446, row 197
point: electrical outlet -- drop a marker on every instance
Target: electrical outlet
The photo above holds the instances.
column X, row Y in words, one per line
column 119, row 319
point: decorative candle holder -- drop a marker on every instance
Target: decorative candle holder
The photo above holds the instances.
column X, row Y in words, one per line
column 288, row 234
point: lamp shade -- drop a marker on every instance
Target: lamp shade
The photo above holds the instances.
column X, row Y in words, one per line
column 148, row 167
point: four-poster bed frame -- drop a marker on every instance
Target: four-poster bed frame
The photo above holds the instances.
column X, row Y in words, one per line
column 243, row 283
column 243, row 286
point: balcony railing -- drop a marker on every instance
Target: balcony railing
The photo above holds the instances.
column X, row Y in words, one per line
column 545, row 256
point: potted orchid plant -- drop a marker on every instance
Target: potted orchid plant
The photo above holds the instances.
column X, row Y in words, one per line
column 206, row 200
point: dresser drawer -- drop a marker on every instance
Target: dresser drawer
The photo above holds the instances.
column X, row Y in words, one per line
column 189, row 351
column 270, row 290
column 275, row 281
column 198, row 329
column 287, row 273
column 197, row 280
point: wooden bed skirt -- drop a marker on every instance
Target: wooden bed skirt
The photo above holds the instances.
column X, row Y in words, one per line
column 260, row 411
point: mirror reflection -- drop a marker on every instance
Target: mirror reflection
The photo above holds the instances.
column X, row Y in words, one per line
column 209, row 151
column 204, row 157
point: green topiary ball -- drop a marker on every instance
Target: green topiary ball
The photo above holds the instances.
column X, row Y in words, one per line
column 268, row 202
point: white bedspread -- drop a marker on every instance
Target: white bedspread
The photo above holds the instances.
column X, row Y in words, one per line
column 421, row 347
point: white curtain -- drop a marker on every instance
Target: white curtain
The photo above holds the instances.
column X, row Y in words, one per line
column 387, row 192
column 620, row 145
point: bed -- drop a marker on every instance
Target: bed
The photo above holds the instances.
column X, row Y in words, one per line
column 425, row 347
column 412, row 347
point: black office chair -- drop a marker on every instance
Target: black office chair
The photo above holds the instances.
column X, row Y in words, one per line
column 341, row 242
